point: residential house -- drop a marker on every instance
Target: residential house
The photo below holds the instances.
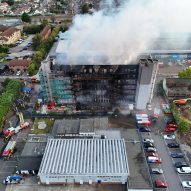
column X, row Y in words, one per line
column 9, row 35
column 4, row 7
column 19, row 65
column 45, row 33
column 23, row 9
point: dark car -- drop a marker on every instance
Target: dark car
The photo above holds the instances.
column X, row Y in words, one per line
column 150, row 150
column 173, row 145
column 180, row 164
column 146, row 145
column 144, row 129
column 177, row 155
column 171, row 122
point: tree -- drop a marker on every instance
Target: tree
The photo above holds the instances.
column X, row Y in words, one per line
column 6, row 82
column 84, row 8
column 183, row 126
column 10, row 2
column 185, row 74
column 25, row 18
column 32, row 69
column 36, row 41
column 44, row 22
column 32, row 29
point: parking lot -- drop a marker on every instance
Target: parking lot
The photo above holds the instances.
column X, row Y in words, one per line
column 170, row 174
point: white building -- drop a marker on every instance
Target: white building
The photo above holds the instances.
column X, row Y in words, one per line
column 84, row 161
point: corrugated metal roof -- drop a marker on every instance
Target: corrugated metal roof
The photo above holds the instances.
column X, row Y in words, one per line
column 85, row 156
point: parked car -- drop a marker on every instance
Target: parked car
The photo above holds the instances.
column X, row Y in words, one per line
column 145, row 129
column 171, row 125
column 152, row 154
column 18, row 73
column 148, row 141
column 25, row 48
column 154, row 160
column 184, row 170
column 146, row 145
column 160, row 184
column 177, row 155
column 173, row 145
column 12, row 179
column 170, row 129
column 156, row 171
column 186, row 184
column 149, row 107
column 171, row 122
column 180, row 164
column 150, row 149
column 169, row 136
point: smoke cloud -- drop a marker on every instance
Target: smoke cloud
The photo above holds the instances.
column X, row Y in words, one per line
column 118, row 36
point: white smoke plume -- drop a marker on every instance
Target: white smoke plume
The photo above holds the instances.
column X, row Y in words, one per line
column 122, row 35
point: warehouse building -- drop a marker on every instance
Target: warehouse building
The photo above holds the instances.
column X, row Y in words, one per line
column 84, row 161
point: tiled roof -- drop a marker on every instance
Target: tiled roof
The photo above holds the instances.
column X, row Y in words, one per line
column 3, row 28
column 23, row 62
column 3, row 38
column 45, row 30
column 9, row 31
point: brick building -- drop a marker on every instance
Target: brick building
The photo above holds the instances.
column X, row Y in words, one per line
column 19, row 65
column 9, row 35
column 45, row 33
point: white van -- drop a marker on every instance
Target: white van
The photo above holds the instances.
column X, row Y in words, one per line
column 184, row 170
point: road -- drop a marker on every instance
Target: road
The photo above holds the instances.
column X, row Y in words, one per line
column 18, row 51
column 169, row 171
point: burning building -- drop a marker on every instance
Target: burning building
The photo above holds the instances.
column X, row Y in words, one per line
column 99, row 86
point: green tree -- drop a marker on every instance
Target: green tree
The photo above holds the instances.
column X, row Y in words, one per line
column 44, row 22
column 4, row 49
column 32, row 69
column 10, row 2
column 185, row 74
column 25, row 18
column 32, row 29
column 37, row 39
column 84, row 8
column 183, row 126
column 6, row 82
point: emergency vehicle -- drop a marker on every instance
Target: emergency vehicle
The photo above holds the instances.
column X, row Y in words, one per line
column 9, row 149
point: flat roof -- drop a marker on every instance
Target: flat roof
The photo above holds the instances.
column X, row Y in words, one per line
column 29, row 162
column 85, row 156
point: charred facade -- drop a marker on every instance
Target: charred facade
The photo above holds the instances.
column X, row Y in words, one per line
column 95, row 87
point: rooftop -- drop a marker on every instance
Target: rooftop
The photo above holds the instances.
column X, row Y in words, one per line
column 9, row 31
column 45, row 30
column 85, row 156
column 182, row 82
column 24, row 62
column 76, row 126
column 29, row 163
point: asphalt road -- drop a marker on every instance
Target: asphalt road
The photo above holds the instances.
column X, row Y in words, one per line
column 169, row 171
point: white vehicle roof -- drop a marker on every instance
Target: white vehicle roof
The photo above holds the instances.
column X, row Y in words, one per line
column 142, row 115
column 186, row 183
column 148, row 140
column 10, row 145
column 142, row 118
column 153, row 158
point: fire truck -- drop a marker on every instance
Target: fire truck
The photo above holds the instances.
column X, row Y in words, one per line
column 9, row 149
column 8, row 133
